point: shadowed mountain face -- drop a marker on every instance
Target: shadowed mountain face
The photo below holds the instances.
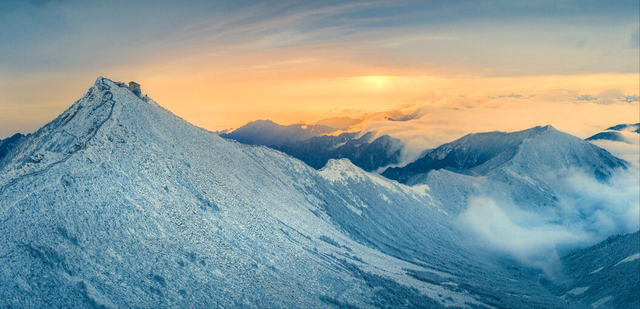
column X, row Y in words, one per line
column 626, row 127
column 119, row 203
column 309, row 145
column 592, row 275
column 7, row 144
column 618, row 133
column 365, row 152
column 609, row 136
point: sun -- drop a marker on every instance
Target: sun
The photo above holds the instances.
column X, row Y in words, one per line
column 379, row 81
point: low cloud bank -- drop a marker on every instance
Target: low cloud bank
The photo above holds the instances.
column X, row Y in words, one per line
column 434, row 123
column 588, row 211
column 629, row 150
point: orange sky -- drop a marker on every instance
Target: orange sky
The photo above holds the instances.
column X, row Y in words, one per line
column 574, row 65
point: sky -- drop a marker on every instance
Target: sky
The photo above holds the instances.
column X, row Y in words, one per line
column 468, row 66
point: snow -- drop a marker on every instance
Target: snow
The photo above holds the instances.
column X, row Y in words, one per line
column 578, row 291
column 595, row 271
column 127, row 205
column 629, row 259
column 120, row 203
column 600, row 302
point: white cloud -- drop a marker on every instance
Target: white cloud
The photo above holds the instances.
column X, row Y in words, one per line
column 587, row 212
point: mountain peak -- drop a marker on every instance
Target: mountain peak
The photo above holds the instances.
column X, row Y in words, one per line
column 339, row 164
column 480, row 153
column 341, row 170
column 73, row 130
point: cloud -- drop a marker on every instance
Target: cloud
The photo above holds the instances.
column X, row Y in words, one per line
column 435, row 120
column 587, row 212
column 512, row 95
column 630, row 98
column 586, row 97
column 629, row 150
column 608, row 97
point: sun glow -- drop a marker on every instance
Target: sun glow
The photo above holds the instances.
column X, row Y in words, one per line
column 379, row 81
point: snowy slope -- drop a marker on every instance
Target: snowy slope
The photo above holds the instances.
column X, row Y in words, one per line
column 594, row 275
column 481, row 153
column 119, row 203
column 529, row 166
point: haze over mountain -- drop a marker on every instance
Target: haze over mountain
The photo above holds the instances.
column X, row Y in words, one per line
column 620, row 133
column 312, row 144
column 622, row 140
column 120, row 203
column 269, row 133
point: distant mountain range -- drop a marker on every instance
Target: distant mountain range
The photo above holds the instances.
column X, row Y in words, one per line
column 119, row 203
column 615, row 133
column 269, row 133
column 307, row 143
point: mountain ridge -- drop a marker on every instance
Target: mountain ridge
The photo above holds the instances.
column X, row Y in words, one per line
column 140, row 208
column 479, row 153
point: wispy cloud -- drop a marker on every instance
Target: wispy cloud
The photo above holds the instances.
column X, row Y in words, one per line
column 630, row 98
column 608, row 97
column 586, row 97
column 281, row 49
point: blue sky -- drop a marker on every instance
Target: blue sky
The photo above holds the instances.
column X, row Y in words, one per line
column 60, row 47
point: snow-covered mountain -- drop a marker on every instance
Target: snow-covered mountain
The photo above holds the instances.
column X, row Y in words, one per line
column 620, row 133
column 119, row 203
column 482, row 153
column 529, row 166
column 367, row 151
column 621, row 140
column 593, row 275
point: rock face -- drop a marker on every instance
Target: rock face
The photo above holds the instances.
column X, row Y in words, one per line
column 119, row 203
